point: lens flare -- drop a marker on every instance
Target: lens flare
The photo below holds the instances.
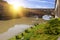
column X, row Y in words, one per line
column 16, row 7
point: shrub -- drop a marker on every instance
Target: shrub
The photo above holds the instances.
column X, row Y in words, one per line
column 49, row 30
column 28, row 30
column 53, row 27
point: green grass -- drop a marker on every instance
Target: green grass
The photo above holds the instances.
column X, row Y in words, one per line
column 45, row 31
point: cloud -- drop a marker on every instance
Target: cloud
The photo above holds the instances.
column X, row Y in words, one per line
column 41, row 1
column 33, row 3
column 19, row 2
column 39, row 6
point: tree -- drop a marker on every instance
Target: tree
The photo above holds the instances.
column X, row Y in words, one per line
column 1, row 0
column 4, row 10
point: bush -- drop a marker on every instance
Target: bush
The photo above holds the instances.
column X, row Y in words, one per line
column 49, row 30
column 28, row 31
column 53, row 27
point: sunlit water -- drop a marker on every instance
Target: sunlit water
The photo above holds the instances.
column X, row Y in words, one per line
column 14, row 31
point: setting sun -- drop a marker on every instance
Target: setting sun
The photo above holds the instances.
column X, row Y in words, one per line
column 15, row 4
column 16, row 7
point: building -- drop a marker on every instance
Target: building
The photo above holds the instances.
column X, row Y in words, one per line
column 39, row 12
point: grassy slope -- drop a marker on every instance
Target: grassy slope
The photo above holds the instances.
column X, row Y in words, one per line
column 38, row 33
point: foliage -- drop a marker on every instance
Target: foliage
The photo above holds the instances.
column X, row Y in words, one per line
column 53, row 27
column 45, row 31
column 1, row 0
column 4, row 10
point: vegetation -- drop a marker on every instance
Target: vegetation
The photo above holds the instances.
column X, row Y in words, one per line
column 4, row 10
column 45, row 31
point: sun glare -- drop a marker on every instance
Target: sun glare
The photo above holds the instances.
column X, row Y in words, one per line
column 16, row 7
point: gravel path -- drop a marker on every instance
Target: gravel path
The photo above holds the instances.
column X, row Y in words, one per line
column 14, row 31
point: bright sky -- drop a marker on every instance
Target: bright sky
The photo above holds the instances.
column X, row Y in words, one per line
column 33, row 3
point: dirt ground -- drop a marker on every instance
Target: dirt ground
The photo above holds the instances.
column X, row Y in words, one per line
column 5, row 25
